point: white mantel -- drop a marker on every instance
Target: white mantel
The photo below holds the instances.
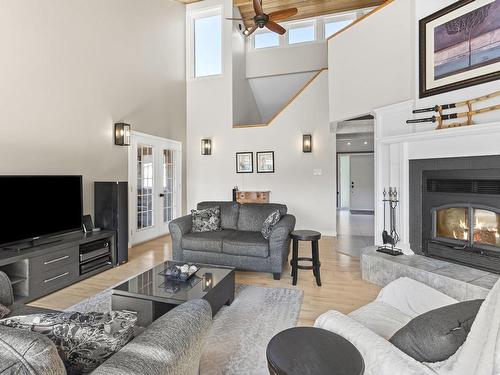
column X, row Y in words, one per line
column 396, row 143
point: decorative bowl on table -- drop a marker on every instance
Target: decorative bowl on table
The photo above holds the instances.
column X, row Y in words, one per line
column 180, row 273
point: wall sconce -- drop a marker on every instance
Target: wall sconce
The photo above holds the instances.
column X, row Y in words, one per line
column 206, row 146
column 122, row 134
column 306, row 143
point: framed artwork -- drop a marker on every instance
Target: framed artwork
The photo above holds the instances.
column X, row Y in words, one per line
column 265, row 162
column 244, row 162
column 459, row 46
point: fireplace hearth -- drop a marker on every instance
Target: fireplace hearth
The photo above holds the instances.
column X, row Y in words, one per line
column 461, row 217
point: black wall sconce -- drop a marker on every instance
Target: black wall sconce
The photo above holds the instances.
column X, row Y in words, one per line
column 206, row 146
column 122, row 134
column 307, row 143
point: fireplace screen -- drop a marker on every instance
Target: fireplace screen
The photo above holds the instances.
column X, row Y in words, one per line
column 486, row 227
column 453, row 223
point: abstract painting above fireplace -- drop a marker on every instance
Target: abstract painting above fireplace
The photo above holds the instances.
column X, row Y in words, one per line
column 461, row 216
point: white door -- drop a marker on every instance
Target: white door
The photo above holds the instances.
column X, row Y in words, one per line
column 155, row 185
column 362, row 182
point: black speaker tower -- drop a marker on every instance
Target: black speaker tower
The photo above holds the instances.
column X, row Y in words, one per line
column 111, row 212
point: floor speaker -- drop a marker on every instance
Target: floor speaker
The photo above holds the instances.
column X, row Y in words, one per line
column 111, row 212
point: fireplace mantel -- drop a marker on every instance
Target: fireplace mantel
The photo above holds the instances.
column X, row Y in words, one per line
column 396, row 143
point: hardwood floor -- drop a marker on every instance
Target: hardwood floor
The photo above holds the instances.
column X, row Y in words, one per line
column 342, row 289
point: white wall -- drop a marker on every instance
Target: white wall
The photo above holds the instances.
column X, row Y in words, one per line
column 311, row 198
column 71, row 69
column 371, row 64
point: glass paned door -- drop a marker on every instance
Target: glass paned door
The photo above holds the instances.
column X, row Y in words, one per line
column 154, row 176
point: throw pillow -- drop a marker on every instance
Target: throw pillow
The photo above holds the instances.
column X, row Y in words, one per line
column 84, row 341
column 4, row 311
column 207, row 220
column 269, row 223
column 437, row 334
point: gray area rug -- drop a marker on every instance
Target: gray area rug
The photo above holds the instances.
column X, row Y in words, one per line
column 240, row 332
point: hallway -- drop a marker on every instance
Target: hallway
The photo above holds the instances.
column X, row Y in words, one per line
column 354, row 232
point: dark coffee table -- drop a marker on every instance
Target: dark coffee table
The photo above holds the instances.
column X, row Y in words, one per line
column 151, row 294
column 312, row 351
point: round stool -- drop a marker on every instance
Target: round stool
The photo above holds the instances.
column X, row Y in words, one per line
column 305, row 235
column 312, row 351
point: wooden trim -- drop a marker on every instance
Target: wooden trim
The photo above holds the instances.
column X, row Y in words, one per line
column 358, row 20
column 311, row 80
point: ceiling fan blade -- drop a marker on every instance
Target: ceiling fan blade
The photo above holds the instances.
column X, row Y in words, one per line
column 282, row 14
column 250, row 31
column 257, row 6
column 235, row 19
column 273, row 26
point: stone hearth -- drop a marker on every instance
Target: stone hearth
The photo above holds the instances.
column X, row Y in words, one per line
column 457, row 281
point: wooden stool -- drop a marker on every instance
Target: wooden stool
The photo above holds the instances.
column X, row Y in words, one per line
column 305, row 235
column 312, row 351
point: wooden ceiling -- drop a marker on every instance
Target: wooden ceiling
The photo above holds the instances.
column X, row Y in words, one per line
column 306, row 8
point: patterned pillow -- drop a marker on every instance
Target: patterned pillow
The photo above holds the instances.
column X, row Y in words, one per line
column 269, row 223
column 84, row 341
column 207, row 220
column 4, row 311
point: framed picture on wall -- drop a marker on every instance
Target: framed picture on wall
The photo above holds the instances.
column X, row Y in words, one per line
column 459, row 46
column 265, row 162
column 244, row 162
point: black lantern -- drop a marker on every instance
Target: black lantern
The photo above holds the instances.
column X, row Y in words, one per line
column 206, row 146
column 307, row 143
column 122, row 134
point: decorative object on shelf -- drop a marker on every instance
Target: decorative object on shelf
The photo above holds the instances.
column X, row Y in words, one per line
column 440, row 118
column 235, row 193
column 265, row 162
column 244, row 162
column 208, row 281
column 88, row 226
column 252, row 196
column 307, row 143
column 180, row 273
column 206, row 146
column 391, row 238
column 459, row 46
column 122, row 134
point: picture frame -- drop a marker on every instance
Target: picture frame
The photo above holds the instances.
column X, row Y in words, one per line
column 244, row 162
column 265, row 162
column 457, row 47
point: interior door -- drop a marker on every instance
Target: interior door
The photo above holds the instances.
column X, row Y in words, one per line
column 154, row 179
column 362, row 182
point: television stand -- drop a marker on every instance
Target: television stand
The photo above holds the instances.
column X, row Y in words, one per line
column 57, row 262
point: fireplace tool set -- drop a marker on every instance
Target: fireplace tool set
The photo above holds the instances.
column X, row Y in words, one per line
column 391, row 238
column 440, row 117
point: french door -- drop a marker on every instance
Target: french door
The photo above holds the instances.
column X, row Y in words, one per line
column 155, row 185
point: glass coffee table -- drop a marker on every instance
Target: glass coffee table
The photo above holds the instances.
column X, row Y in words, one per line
column 151, row 294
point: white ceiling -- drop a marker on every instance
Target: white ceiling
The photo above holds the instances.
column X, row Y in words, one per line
column 273, row 92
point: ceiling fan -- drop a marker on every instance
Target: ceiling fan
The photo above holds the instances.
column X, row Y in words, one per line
column 261, row 19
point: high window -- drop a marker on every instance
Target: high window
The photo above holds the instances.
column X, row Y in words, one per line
column 335, row 25
column 208, row 45
column 301, row 33
column 266, row 39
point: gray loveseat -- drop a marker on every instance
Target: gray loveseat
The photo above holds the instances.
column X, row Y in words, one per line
column 240, row 243
column 170, row 346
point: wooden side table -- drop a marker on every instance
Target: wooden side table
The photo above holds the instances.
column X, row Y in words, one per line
column 312, row 351
column 306, row 235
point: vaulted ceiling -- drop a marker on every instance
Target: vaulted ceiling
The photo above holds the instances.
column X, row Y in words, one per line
column 306, row 8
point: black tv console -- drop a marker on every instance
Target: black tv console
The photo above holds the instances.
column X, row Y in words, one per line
column 42, row 269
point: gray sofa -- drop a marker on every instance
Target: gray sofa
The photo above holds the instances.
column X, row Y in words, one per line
column 170, row 346
column 240, row 243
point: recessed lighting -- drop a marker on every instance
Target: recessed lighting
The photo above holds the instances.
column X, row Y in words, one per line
column 365, row 142
column 348, row 143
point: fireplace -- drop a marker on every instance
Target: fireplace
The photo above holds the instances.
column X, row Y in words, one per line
column 461, row 217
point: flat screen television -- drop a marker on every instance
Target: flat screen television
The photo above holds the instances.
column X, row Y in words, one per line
column 34, row 207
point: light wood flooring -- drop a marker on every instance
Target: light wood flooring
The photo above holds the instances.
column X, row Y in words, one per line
column 342, row 289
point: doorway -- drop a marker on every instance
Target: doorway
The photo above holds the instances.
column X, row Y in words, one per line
column 355, row 182
column 155, row 166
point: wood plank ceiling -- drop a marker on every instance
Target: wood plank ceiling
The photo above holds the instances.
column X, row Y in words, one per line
column 306, row 8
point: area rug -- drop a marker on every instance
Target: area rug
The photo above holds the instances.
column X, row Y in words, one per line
column 240, row 332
